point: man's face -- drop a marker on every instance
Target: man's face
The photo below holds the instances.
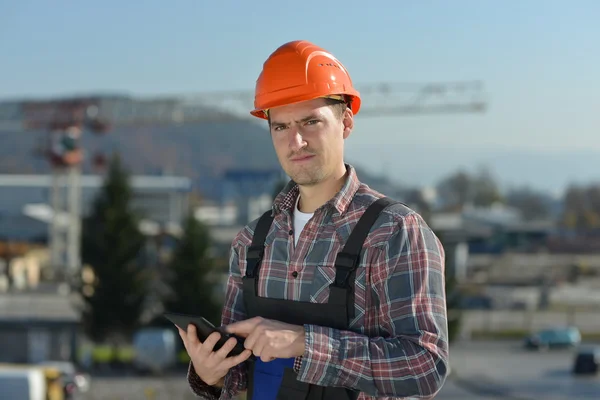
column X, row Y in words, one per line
column 309, row 139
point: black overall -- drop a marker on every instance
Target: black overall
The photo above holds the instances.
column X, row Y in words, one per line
column 336, row 313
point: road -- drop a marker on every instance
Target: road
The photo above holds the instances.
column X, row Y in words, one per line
column 506, row 368
column 136, row 388
column 480, row 371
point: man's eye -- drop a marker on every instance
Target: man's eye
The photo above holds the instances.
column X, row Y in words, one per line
column 312, row 122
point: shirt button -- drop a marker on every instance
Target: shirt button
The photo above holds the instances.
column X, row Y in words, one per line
column 295, row 274
column 291, row 232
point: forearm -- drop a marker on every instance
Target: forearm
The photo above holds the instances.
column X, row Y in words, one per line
column 404, row 366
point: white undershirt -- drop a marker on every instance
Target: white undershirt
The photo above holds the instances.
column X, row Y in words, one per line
column 300, row 220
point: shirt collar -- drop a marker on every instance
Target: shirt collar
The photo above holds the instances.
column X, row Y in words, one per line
column 286, row 199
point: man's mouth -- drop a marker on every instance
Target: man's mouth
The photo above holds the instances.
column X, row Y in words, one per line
column 302, row 158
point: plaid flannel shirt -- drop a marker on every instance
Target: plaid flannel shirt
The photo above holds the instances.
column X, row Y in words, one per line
column 397, row 345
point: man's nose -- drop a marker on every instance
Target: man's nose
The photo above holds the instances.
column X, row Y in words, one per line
column 297, row 141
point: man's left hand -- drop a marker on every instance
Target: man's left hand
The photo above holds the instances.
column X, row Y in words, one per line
column 270, row 339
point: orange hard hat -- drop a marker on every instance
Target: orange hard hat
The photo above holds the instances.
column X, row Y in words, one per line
column 299, row 71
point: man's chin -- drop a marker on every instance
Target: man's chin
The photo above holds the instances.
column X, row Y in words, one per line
column 305, row 176
column 305, row 180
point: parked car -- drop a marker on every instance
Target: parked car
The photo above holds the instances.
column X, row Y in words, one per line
column 554, row 338
column 20, row 382
column 587, row 361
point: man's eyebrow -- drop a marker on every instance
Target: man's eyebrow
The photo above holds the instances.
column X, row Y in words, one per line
column 307, row 118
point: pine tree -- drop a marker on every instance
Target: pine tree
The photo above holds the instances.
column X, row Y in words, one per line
column 111, row 245
column 190, row 272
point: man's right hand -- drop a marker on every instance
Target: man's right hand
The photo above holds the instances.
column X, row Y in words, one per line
column 211, row 366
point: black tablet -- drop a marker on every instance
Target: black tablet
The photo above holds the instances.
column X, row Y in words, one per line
column 204, row 328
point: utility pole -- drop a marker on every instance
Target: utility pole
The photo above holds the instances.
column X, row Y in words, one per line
column 65, row 122
column 65, row 228
column 65, row 156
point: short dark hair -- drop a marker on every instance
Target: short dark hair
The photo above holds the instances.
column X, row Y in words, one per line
column 339, row 107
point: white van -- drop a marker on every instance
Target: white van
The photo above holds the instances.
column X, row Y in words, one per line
column 23, row 383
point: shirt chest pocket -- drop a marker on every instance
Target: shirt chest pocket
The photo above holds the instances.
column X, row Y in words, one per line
column 324, row 275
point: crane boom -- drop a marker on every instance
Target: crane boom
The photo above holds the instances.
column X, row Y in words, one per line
column 382, row 99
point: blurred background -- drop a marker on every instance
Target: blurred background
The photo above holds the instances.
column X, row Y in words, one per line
column 128, row 162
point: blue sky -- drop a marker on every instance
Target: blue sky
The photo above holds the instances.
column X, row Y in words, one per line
column 538, row 60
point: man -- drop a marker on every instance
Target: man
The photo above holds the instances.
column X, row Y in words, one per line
column 367, row 323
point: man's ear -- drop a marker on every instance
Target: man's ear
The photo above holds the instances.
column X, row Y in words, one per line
column 348, row 121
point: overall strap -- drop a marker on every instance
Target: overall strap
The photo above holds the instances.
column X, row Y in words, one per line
column 347, row 261
column 257, row 248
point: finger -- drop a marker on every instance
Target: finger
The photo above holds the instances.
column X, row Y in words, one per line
column 226, row 348
column 209, row 343
column 192, row 335
column 260, row 348
column 265, row 350
column 243, row 328
column 231, row 362
column 253, row 337
column 265, row 353
column 183, row 336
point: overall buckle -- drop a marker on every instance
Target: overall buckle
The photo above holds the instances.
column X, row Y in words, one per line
column 345, row 264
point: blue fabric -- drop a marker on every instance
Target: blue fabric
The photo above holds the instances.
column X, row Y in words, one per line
column 268, row 377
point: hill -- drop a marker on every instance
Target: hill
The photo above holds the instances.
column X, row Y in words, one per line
column 203, row 152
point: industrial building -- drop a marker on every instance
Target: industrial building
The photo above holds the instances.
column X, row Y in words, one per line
column 25, row 212
column 36, row 327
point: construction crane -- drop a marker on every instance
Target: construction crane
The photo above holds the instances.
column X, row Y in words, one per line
column 66, row 119
column 383, row 99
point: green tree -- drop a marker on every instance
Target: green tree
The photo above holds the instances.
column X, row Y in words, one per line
column 529, row 202
column 190, row 273
column 456, row 190
column 581, row 207
column 111, row 245
column 462, row 188
column 485, row 189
